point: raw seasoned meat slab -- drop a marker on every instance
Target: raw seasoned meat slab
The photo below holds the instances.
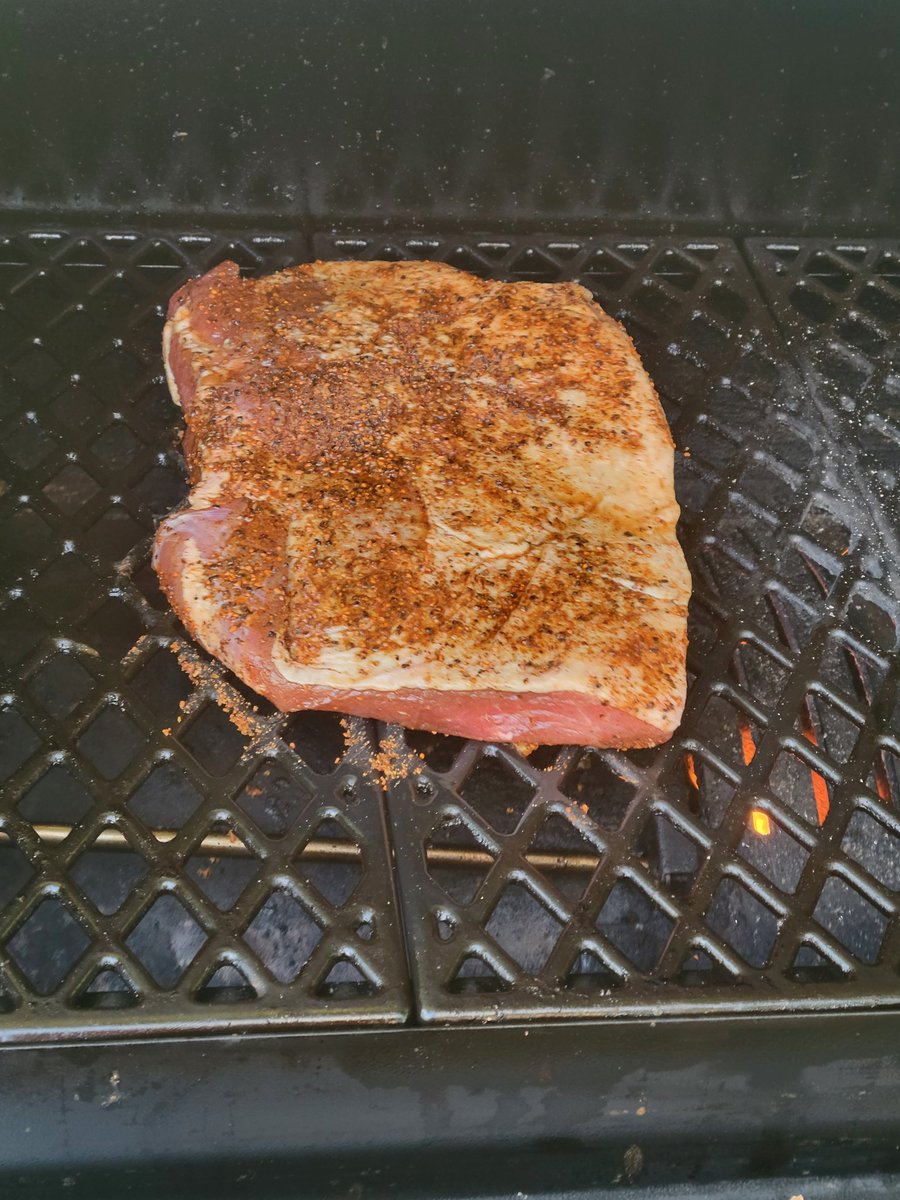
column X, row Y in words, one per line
column 429, row 499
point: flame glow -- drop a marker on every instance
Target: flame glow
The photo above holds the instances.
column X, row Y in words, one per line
column 691, row 772
column 881, row 782
column 819, row 786
column 748, row 746
column 760, row 822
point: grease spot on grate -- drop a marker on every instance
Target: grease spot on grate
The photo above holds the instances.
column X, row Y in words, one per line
column 48, row 945
column 283, row 935
column 166, row 940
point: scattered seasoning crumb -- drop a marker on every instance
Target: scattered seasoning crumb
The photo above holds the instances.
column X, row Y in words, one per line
column 208, row 678
column 393, row 761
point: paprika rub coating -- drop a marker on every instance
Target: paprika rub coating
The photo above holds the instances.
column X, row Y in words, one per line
column 427, row 498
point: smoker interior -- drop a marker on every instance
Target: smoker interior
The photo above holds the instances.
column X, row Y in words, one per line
column 545, row 973
column 177, row 854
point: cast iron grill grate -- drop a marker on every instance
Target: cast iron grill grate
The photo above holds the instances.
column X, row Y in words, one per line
column 172, row 850
column 839, row 302
column 175, row 854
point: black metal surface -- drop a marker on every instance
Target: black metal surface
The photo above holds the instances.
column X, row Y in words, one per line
column 455, row 113
column 839, row 301
column 101, row 731
column 791, row 1106
column 793, row 637
column 793, row 646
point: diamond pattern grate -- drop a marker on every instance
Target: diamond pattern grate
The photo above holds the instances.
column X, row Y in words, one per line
column 714, row 861
column 175, row 854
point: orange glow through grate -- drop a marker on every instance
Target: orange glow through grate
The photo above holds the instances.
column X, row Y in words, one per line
column 819, row 786
column 691, row 772
column 748, row 746
column 760, row 822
